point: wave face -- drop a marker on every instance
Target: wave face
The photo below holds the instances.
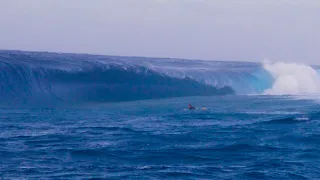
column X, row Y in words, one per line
column 34, row 77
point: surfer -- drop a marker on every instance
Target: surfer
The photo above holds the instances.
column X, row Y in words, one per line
column 204, row 108
column 190, row 107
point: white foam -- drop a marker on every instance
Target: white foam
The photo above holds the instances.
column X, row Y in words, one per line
column 273, row 112
column 292, row 79
column 302, row 119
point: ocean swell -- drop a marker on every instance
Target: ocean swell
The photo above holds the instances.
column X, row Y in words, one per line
column 50, row 78
column 63, row 78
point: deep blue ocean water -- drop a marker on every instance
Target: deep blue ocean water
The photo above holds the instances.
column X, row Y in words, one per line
column 53, row 125
column 238, row 137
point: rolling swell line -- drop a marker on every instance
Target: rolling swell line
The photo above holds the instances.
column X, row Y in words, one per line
column 35, row 78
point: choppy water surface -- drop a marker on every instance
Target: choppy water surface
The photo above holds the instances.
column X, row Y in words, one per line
column 238, row 137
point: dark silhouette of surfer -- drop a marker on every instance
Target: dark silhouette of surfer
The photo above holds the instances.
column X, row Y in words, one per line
column 190, row 107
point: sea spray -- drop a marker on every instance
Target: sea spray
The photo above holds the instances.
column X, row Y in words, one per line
column 292, row 79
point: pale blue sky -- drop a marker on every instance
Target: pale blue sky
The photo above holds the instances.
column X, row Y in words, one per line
column 248, row 30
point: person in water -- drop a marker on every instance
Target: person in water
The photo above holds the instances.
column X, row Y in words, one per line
column 190, row 107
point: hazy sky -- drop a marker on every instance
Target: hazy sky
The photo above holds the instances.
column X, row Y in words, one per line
column 249, row 30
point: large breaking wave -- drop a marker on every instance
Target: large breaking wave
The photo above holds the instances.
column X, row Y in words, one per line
column 34, row 77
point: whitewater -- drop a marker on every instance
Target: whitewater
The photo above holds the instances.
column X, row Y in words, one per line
column 81, row 116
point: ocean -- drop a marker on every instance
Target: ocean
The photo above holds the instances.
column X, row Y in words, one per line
column 79, row 116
